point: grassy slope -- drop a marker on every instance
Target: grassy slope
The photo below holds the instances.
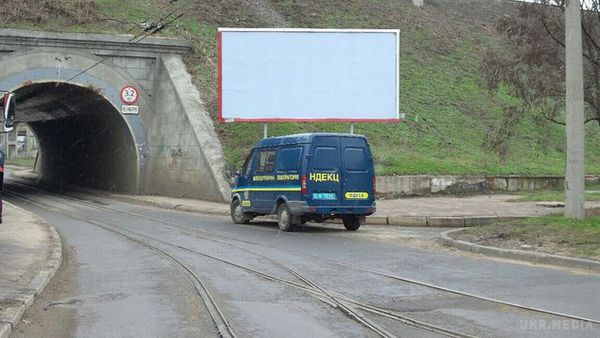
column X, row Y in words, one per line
column 449, row 113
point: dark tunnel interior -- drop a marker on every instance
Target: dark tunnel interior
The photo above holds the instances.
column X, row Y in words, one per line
column 82, row 138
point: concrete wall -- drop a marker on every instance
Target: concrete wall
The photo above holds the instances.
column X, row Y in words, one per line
column 142, row 69
column 176, row 148
column 424, row 185
column 186, row 158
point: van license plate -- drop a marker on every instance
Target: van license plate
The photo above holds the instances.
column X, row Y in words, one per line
column 324, row 196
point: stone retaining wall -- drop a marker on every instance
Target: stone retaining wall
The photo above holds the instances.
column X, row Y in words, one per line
column 425, row 185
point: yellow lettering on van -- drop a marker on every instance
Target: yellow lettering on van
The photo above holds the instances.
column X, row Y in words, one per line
column 264, row 178
column 288, row 177
column 324, row 177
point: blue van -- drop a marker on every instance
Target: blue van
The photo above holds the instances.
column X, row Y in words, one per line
column 306, row 177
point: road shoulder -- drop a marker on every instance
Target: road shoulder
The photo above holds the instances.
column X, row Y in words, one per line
column 446, row 238
column 31, row 252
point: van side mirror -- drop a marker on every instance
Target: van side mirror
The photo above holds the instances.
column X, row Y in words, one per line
column 9, row 112
column 233, row 175
column 233, row 172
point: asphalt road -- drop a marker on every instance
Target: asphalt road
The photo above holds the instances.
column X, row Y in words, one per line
column 300, row 285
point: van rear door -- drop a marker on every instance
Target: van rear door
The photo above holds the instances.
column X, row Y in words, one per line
column 323, row 172
column 357, row 172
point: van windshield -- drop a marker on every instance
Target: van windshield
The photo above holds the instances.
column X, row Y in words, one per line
column 247, row 168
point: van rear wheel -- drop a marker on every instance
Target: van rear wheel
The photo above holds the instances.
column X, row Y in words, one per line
column 285, row 220
column 237, row 214
column 352, row 223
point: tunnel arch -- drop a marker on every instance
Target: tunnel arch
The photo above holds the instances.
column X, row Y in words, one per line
column 82, row 140
column 85, row 109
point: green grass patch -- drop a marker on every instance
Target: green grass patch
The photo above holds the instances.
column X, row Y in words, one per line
column 549, row 234
column 22, row 162
column 556, row 221
column 592, row 185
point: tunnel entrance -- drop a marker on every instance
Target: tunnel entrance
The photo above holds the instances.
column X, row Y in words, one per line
column 83, row 139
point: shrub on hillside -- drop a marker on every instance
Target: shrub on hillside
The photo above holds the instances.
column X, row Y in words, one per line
column 39, row 12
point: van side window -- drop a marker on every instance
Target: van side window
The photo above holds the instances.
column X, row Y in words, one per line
column 266, row 161
column 289, row 159
column 326, row 158
column 247, row 168
column 355, row 159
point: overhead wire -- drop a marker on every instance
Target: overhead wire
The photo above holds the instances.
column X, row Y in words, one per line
column 159, row 26
column 152, row 29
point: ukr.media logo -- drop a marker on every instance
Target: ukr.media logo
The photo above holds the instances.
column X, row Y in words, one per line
column 555, row 324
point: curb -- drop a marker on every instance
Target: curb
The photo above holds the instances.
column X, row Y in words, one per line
column 438, row 221
column 407, row 221
column 520, row 255
column 38, row 283
column 170, row 206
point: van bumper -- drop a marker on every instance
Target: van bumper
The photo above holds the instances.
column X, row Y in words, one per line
column 299, row 208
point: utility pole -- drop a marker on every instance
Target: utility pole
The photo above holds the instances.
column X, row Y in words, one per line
column 575, row 173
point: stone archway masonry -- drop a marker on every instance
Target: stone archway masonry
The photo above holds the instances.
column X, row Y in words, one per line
column 178, row 151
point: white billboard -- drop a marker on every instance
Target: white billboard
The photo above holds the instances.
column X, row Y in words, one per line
column 326, row 75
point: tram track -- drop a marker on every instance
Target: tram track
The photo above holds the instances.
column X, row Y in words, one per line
column 340, row 302
column 223, row 327
column 330, row 297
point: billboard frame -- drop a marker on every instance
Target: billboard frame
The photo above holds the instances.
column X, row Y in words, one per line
column 309, row 30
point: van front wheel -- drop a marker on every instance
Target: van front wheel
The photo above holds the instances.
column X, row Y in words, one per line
column 352, row 223
column 237, row 214
column 284, row 218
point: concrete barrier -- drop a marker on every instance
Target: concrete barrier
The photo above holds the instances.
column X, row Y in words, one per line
column 410, row 221
column 426, row 185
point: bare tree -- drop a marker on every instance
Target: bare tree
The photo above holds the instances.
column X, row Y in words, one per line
column 533, row 67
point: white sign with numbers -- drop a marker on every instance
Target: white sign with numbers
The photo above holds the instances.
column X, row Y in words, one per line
column 129, row 95
column 131, row 110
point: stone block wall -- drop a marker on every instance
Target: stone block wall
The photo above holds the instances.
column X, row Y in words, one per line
column 425, row 185
column 186, row 158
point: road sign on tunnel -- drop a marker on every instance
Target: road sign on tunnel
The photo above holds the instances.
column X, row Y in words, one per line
column 129, row 94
